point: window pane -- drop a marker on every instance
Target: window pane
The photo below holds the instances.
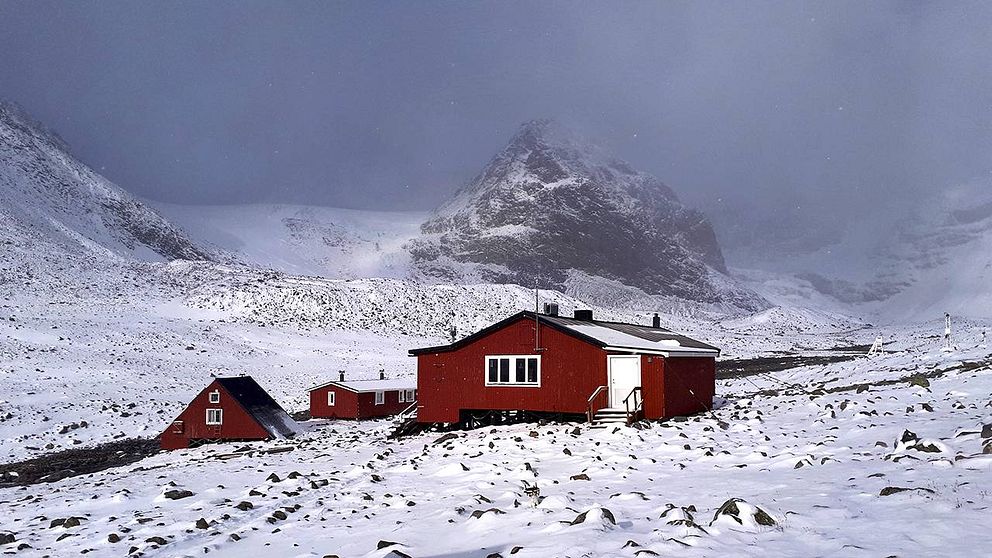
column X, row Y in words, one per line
column 521, row 375
column 504, row 370
column 493, row 370
column 532, row 370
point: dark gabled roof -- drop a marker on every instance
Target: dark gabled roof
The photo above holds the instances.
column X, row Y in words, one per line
column 600, row 333
column 259, row 404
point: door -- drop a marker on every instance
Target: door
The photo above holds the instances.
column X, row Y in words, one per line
column 624, row 375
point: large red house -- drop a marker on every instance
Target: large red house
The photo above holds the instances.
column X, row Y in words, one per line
column 361, row 399
column 547, row 364
column 229, row 409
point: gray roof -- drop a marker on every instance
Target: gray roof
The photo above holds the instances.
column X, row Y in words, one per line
column 608, row 335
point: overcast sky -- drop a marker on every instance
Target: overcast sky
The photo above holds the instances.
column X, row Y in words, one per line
column 743, row 108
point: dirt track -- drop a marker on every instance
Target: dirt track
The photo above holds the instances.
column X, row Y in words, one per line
column 70, row 463
column 728, row 369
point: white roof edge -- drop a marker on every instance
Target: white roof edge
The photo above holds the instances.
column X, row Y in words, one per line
column 666, row 352
column 344, row 384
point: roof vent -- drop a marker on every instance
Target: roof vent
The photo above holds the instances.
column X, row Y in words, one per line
column 656, row 321
column 382, row 374
column 341, row 374
column 584, row 315
column 551, row 308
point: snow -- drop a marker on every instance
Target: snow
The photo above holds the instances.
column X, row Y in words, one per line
column 305, row 240
column 816, row 465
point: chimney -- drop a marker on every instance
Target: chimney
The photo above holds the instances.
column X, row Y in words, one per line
column 584, row 315
column 656, row 321
column 382, row 374
column 341, row 375
column 551, row 308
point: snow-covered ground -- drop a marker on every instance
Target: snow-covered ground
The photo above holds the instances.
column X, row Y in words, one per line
column 824, row 451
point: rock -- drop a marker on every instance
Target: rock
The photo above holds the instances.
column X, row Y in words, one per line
column 157, row 540
column 445, row 438
column 273, row 478
column 177, row 494
column 385, row 544
column 890, row 490
column 113, row 538
column 7, row 538
column 987, row 431
column 245, row 506
column 732, row 508
column 202, row 524
column 71, row 522
column 280, row 515
column 479, row 513
column 606, row 514
column 580, row 476
column 908, row 436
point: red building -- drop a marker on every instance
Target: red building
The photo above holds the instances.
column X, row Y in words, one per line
column 362, row 399
column 552, row 365
column 229, row 409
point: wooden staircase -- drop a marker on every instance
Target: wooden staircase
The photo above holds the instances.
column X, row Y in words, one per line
column 604, row 418
column 405, row 423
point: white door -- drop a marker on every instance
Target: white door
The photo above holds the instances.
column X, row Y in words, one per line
column 624, row 376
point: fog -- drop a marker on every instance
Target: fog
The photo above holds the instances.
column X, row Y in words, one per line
column 805, row 111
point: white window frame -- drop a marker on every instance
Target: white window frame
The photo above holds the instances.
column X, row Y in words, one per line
column 411, row 395
column 214, row 396
column 332, row 398
column 513, row 367
column 402, row 395
column 380, row 398
column 220, row 417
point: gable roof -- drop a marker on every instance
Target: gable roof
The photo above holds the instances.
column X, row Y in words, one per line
column 618, row 336
column 363, row 386
column 259, row 404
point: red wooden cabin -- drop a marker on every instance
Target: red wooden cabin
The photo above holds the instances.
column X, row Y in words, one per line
column 550, row 364
column 229, row 409
column 362, row 399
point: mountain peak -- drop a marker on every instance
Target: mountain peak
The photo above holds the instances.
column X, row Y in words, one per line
column 550, row 205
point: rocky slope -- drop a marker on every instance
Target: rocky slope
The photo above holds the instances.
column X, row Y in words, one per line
column 548, row 206
column 48, row 195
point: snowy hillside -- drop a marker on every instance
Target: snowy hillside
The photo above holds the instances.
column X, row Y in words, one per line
column 46, row 194
column 305, row 240
column 549, row 205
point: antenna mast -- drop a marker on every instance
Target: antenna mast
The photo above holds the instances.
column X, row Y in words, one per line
column 947, row 333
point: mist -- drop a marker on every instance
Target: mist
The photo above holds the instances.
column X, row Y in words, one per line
column 811, row 112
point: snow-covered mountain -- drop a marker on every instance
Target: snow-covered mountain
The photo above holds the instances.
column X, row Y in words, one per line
column 305, row 240
column 919, row 264
column 549, row 206
column 47, row 195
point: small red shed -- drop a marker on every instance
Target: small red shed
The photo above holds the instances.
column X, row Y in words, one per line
column 361, row 399
column 554, row 365
column 229, row 409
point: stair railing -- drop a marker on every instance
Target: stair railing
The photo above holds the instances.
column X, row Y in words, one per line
column 633, row 403
column 407, row 413
column 590, row 412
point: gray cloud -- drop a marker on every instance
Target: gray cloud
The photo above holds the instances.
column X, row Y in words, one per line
column 800, row 111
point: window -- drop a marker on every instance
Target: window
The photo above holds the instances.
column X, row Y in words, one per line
column 215, row 416
column 330, row 398
column 380, row 398
column 402, row 395
column 522, row 370
column 411, row 395
column 215, row 396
